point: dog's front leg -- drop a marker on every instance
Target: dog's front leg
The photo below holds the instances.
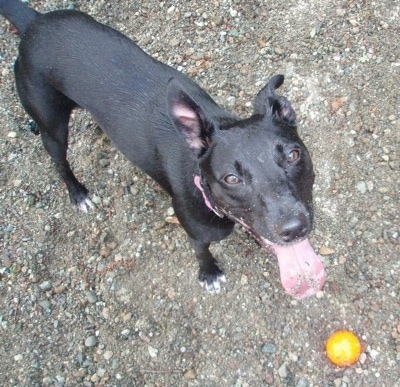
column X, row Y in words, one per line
column 210, row 275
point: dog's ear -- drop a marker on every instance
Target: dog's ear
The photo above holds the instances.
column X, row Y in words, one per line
column 269, row 104
column 188, row 118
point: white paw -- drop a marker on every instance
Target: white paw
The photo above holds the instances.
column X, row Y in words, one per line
column 84, row 204
column 215, row 286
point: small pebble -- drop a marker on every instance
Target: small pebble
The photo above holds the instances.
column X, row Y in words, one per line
column 244, row 280
column 269, row 378
column 370, row 185
column 231, row 101
column 174, row 42
column 91, row 341
column 115, row 363
column 101, row 372
column 46, row 285
column 283, row 371
column 362, row 187
column 18, row 357
column 96, row 199
column 81, row 373
column 373, row 353
column 325, row 250
column 218, row 21
column 233, row 12
column 45, row 304
column 125, row 333
column 104, row 163
column 302, row 383
column 341, row 12
column 363, row 358
column 190, row 375
column 269, row 348
column 60, row 289
column 152, row 351
column 108, row 355
column 91, row 297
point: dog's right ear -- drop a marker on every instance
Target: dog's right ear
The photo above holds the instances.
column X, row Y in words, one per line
column 268, row 103
column 188, row 118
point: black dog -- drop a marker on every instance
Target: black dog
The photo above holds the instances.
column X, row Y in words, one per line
column 254, row 171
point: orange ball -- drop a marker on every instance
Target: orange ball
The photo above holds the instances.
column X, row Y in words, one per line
column 343, row 348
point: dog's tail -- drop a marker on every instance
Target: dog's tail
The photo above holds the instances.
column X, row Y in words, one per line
column 18, row 13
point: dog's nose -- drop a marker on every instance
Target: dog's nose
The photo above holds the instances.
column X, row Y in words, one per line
column 292, row 229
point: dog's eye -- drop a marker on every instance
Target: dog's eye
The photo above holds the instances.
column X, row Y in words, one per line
column 293, row 156
column 231, row 179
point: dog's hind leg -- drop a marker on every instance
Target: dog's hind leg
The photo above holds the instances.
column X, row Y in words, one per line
column 51, row 111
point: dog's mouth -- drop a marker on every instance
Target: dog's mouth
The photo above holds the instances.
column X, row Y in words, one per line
column 301, row 270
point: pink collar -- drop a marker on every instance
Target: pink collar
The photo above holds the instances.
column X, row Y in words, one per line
column 197, row 182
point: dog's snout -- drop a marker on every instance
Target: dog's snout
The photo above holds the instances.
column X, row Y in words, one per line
column 292, row 229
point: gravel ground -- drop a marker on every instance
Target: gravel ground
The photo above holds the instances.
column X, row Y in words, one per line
column 110, row 298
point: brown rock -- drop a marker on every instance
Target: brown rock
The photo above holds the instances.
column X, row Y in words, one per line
column 190, row 375
column 325, row 250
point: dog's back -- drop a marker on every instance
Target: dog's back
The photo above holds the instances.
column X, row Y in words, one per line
column 107, row 74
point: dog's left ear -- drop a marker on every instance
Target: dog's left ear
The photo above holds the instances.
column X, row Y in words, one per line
column 268, row 103
column 188, row 118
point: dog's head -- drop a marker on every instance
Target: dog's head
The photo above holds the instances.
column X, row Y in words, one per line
column 257, row 171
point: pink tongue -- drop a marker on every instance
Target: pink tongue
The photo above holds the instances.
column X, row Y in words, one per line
column 302, row 272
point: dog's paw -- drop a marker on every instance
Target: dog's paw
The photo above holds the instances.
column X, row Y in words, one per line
column 79, row 197
column 85, row 204
column 212, row 283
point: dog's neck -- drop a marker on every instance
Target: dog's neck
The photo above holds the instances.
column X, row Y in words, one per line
column 198, row 181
